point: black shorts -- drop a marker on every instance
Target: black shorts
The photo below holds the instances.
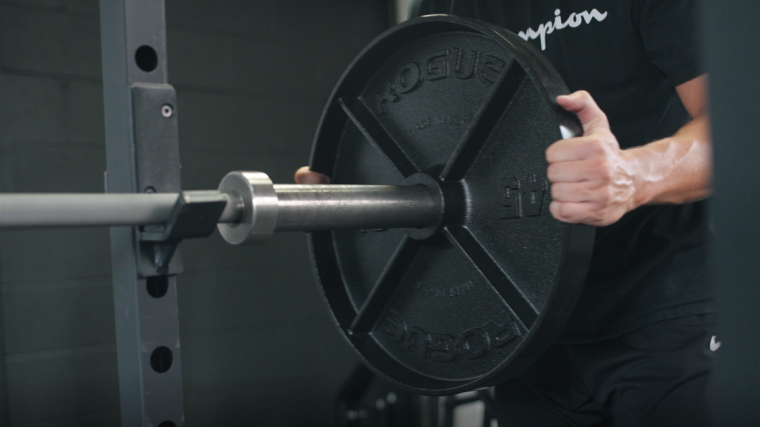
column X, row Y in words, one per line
column 654, row 376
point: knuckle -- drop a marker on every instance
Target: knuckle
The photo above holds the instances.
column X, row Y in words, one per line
column 600, row 216
column 594, row 145
column 597, row 145
column 604, row 195
column 551, row 153
column 559, row 193
column 552, row 173
column 555, row 192
column 558, row 210
column 554, row 209
column 604, row 170
column 556, row 151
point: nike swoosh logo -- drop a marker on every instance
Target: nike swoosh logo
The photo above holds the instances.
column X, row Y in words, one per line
column 714, row 345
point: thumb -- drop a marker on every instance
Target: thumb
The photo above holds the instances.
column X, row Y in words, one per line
column 583, row 105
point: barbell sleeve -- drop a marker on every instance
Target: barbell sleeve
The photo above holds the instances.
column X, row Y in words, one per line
column 266, row 208
column 329, row 207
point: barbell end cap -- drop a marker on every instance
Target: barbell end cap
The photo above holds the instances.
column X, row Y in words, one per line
column 258, row 204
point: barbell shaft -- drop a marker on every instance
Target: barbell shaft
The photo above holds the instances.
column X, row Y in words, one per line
column 43, row 210
column 78, row 210
column 299, row 208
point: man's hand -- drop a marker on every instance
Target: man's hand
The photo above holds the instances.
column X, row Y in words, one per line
column 305, row 176
column 593, row 180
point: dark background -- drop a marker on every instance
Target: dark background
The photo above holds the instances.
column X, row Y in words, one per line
column 252, row 78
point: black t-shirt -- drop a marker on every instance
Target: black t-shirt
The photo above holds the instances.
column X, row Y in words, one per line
column 630, row 55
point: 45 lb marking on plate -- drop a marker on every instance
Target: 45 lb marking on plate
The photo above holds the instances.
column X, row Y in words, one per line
column 523, row 197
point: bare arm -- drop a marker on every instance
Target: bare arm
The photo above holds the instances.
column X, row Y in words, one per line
column 595, row 182
column 685, row 173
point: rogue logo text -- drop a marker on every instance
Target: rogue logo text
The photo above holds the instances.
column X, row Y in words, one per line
column 443, row 347
column 458, row 63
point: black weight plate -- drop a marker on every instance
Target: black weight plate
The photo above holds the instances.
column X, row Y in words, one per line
column 472, row 106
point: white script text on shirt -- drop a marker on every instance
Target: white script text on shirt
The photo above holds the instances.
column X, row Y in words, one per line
column 574, row 20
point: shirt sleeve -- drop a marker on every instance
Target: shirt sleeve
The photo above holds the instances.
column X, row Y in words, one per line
column 670, row 33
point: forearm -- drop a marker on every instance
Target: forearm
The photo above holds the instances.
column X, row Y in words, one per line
column 595, row 182
column 676, row 169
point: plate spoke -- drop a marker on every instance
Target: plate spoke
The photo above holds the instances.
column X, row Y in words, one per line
column 369, row 125
column 485, row 120
column 385, row 287
column 501, row 282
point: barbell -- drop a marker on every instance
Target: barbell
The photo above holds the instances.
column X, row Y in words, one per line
column 252, row 208
column 434, row 249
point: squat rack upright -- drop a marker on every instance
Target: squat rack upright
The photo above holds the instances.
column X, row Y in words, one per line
column 142, row 155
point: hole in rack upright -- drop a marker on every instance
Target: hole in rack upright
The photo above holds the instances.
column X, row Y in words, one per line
column 146, row 58
column 157, row 286
column 161, row 359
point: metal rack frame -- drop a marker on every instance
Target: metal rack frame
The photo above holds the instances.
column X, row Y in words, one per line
column 142, row 153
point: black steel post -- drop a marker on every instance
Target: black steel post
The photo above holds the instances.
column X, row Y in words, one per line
column 732, row 40
column 142, row 156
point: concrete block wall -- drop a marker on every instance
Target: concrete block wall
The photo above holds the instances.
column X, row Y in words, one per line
column 252, row 78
